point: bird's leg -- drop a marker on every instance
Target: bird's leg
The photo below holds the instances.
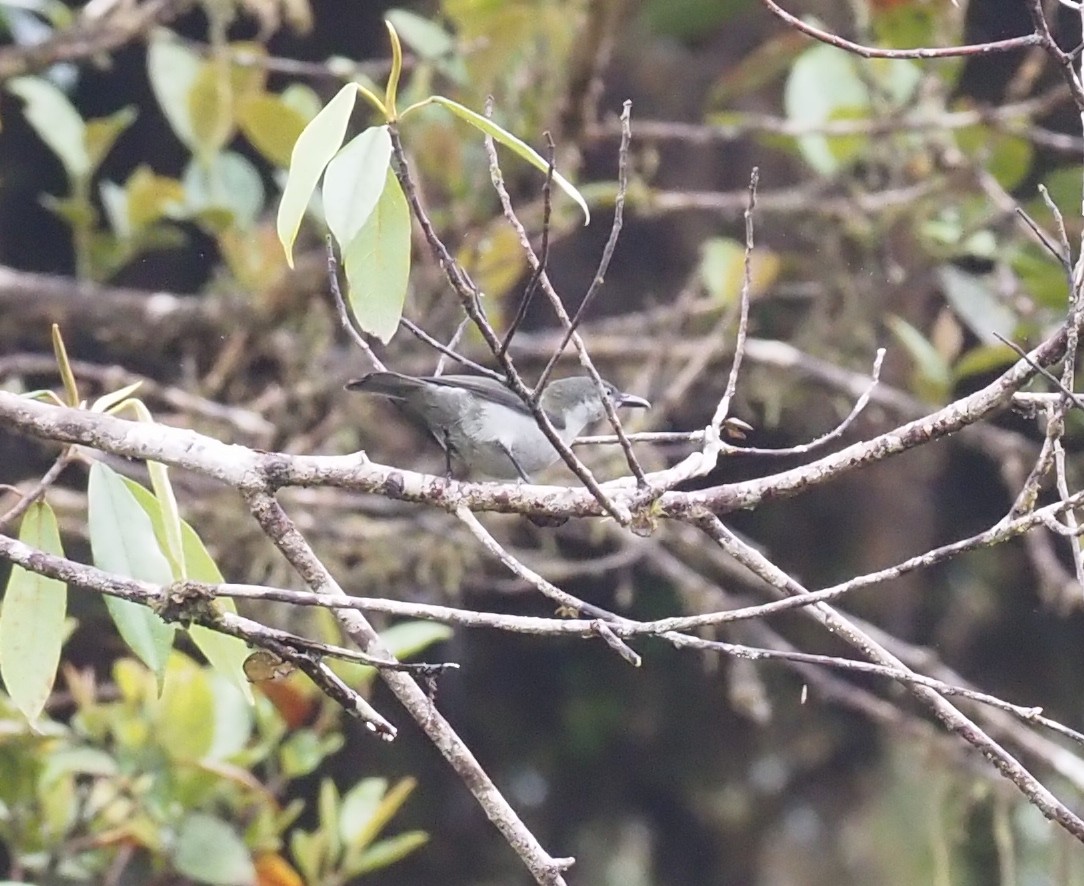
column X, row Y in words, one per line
column 515, row 463
column 446, row 443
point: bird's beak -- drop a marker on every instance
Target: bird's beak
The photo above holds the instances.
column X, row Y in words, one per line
column 632, row 400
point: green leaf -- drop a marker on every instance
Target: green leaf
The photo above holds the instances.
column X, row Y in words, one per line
column 933, row 377
column 976, row 304
column 228, row 181
column 172, row 70
column 361, row 819
column 209, row 851
column 210, row 107
column 317, row 144
column 233, row 718
column 377, row 263
column 56, row 122
column 404, row 640
column 107, row 401
column 359, row 807
column 271, row 125
column 32, row 619
column 388, row 851
column 226, row 654
column 408, row 638
column 328, row 804
column 1005, row 156
column 102, row 133
column 122, row 541
column 1042, row 278
column 185, row 725
column 983, row 359
column 826, row 83
column 518, row 147
column 150, row 197
column 354, row 181
column 308, row 850
column 428, row 39
column 303, row 99
column 301, row 753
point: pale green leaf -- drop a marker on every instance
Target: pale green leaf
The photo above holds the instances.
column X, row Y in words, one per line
column 976, row 303
column 359, row 807
column 825, row 84
column 388, row 851
column 102, row 132
column 32, row 619
column 122, row 541
column 377, row 263
column 303, row 99
column 933, row 375
column 226, row 654
column 55, row 121
column 428, row 39
column 361, row 819
column 172, row 70
column 107, row 401
column 354, row 181
column 115, row 204
column 408, row 638
column 317, row 144
column 185, row 726
column 209, row 851
column 271, row 125
column 229, row 182
column 210, row 107
column 517, row 146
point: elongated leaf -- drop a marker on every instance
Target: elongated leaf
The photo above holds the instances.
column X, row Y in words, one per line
column 225, row 653
column 32, row 619
column 172, row 70
column 425, row 37
column 122, row 541
column 185, row 726
column 55, row 121
column 362, row 820
column 107, row 401
column 388, row 851
column 210, row 107
column 170, row 545
column 517, row 146
column 318, row 143
column 354, row 181
column 377, row 263
column 933, row 376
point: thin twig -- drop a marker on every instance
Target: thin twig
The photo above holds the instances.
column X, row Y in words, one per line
column 66, row 457
column 544, row 253
column 470, row 299
column 453, row 343
column 446, row 350
column 345, row 317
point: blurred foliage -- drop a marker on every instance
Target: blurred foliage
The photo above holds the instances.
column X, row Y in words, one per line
column 188, row 781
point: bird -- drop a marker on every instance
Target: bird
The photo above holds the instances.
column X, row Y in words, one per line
column 486, row 426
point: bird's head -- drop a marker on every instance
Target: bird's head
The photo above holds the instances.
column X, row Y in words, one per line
column 576, row 402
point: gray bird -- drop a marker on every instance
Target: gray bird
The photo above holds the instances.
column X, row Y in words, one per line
column 485, row 425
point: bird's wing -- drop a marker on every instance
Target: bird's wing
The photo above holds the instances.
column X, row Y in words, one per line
column 484, row 388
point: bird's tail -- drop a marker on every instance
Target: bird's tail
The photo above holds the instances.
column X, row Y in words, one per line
column 385, row 384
